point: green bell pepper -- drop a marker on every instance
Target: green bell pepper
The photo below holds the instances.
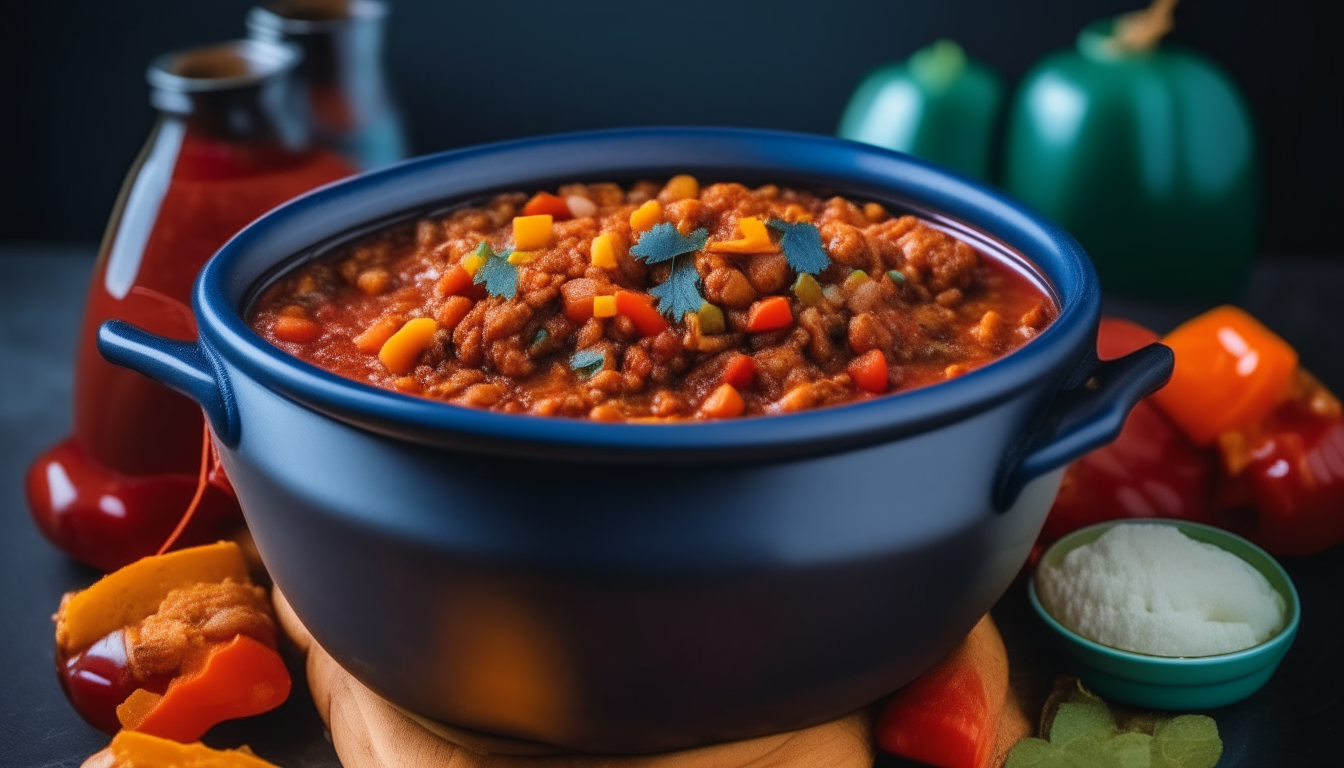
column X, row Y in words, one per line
column 939, row 105
column 1147, row 157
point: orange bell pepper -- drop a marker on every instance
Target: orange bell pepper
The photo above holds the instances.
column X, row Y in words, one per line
column 238, row 679
column 949, row 716
column 130, row 749
column 639, row 308
column 769, row 314
column 1230, row 372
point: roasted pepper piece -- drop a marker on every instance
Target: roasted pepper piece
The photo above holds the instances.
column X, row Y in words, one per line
column 238, row 679
column 130, row 749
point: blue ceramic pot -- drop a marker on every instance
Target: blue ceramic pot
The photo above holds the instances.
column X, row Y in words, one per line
column 634, row 587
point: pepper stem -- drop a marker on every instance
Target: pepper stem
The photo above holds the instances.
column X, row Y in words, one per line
column 1139, row 31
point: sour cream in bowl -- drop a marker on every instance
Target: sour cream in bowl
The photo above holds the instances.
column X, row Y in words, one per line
column 1167, row 614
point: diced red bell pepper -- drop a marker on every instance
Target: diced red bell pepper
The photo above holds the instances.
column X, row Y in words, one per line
column 869, row 371
column 546, row 203
column 740, row 371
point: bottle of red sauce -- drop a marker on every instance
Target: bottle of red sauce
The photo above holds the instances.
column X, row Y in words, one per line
column 230, row 143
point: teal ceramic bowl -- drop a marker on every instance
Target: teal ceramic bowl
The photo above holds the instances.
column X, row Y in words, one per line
column 1181, row 682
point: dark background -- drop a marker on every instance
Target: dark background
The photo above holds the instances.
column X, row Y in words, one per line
column 76, row 109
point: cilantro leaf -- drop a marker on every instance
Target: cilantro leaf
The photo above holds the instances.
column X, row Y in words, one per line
column 680, row 293
column 587, row 362
column 802, row 246
column 499, row 276
column 664, row 242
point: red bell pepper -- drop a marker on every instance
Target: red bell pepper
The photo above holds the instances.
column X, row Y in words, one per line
column 546, row 203
column 1288, row 469
column 1151, row 470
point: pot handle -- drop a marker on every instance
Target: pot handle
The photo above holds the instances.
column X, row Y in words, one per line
column 1086, row 417
column 184, row 366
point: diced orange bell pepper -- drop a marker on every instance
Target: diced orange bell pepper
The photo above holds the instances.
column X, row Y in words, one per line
column 769, row 314
column 869, row 371
column 723, row 403
column 454, row 282
column 403, row 348
column 639, row 308
column 546, row 203
column 238, row 679
column 300, row 330
column 949, row 716
column 1230, row 372
column 577, row 298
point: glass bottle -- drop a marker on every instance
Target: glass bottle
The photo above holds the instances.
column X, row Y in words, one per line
column 342, row 72
column 230, row 143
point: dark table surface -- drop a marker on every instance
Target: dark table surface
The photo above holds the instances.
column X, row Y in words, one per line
column 1293, row 721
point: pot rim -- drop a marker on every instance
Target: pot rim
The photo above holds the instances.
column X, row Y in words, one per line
column 220, row 298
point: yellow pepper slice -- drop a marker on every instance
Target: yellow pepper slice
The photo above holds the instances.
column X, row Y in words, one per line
column 755, row 239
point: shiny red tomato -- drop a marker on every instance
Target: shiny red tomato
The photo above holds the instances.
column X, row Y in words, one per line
column 1151, row 470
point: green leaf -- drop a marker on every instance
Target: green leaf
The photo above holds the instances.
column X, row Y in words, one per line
column 587, row 362
column 1034, row 753
column 1086, row 733
column 1075, row 720
column 1186, row 741
column 680, row 293
column 664, row 242
column 499, row 276
column 802, row 246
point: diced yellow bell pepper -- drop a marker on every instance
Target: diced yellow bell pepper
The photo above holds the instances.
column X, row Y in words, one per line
column 682, row 187
column 603, row 254
column 400, row 352
column 604, row 306
column 646, row 215
column 472, row 262
column 531, row 233
column 522, row 257
column 755, row 239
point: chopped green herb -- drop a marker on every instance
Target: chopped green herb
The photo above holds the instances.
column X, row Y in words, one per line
column 664, row 242
column 1084, row 731
column 540, row 336
column 587, row 362
column 711, row 319
column 895, row 277
column 807, row 289
column 497, row 274
column 802, row 246
column 680, row 293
